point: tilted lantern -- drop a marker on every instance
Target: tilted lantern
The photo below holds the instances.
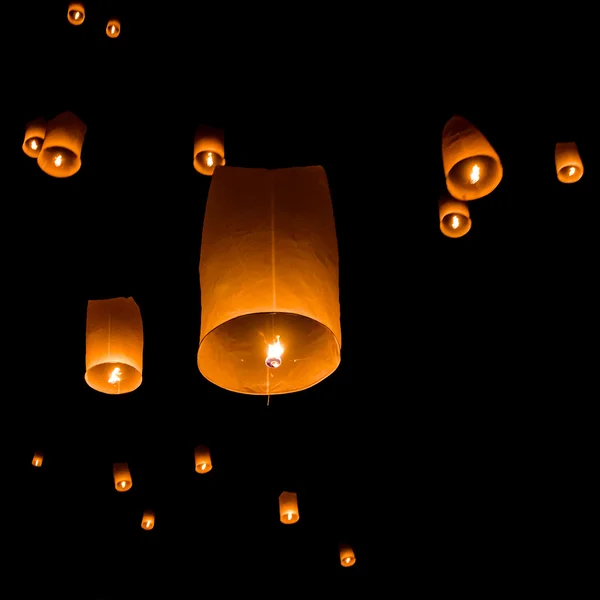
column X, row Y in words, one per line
column 113, row 28
column 202, row 457
column 347, row 558
column 61, row 151
column 38, row 459
column 114, row 345
column 471, row 166
column 270, row 321
column 122, row 477
column 76, row 13
column 569, row 167
column 455, row 219
column 288, row 508
column 209, row 149
column 35, row 132
column 148, row 520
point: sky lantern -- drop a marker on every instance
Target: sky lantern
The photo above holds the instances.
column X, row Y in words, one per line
column 148, row 520
column 113, row 28
column 209, row 149
column 76, row 13
column 202, row 458
column 38, row 459
column 347, row 558
column 35, row 132
column 288, row 508
column 60, row 155
column 114, row 345
column 569, row 167
column 122, row 477
column 455, row 219
column 471, row 166
column 270, row 321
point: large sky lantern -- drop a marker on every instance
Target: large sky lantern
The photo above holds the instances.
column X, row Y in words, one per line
column 113, row 28
column 455, row 218
column 60, row 155
column 122, row 477
column 270, row 321
column 35, row 132
column 288, row 508
column 209, row 149
column 347, row 557
column 76, row 13
column 202, row 459
column 569, row 166
column 471, row 165
column 114, row 345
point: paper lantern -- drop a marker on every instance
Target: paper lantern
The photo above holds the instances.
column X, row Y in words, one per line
column 209, row 149
column 122, row 477
column 455, row 219
column 114, row 345
column 61, row 151
column 347, row 558
column 113, row 28
column 148, row 520
column 270, row 320
column 288, row 508
column 76, row 13
column 569, row 167
column 202, row 456
column 38, row 459
column 471, row 165
column 35, row 132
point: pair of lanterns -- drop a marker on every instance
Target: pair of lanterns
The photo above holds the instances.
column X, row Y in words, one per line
column 76, row 16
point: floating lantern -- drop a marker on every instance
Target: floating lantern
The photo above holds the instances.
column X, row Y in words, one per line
column 202, row 456
column 569, row 167
column 471, row 165
column 38, row 459
column 60, row 155
column 148, row 520
column 35, row 132
column 270, row 320
column 76, row 13
column 347, row 558
column 114, row 345
column 288, row 508
column 113, row 28
column 209, row 149
column 455, row 219
column 122, row 477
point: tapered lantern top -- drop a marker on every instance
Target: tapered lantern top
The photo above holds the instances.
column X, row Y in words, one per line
column 472, row 167
column 113, row 28
column 455, row 218
column 35, row 132
column 270, row 319
column 61, row 151
column 76, row 13
column 209, row 149
column 569, row 167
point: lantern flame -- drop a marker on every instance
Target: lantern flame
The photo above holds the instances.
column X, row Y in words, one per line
column 37, row 462
column 289, row 516
column 115, row 376
column 123, row 484
column 347, row 560
column 77, row 15
column 112, row 29
column 147, row 524
column 274, row 353
column 58, row 160
column 203, row 466
column 475, row 174
column 34, row 145
column 455, row 222
column 209, row 160
column 572, row 171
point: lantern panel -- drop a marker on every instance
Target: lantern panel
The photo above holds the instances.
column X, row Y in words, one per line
column 60, row 155
column 76, row 13
column 113, row 28
column 202, row 458
column 455, row 219
column 347, row 558
column 569, row 167
column 209, row 149
column 122, row 477
column 35, row 132
column 38, row 459
column 288, row 508
column 270, row 319
column 114, row 345
column 148, row 520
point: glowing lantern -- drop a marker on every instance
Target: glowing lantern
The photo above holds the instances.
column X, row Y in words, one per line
column 209, row 149
column 270, row 319
column 288, row 508
column 61, row 151
column 76, row 13
column 202, row 456
column 471, row 165
column 113, row 28
column 122, row 477
column 148, row 520
column 455, row 219
column 35, row 132
column 38, row 459
column 114, row 345
column 347, row 558
column 569, row 167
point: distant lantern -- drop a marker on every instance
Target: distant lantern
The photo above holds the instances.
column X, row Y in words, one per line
column 35, row 132
column 455, row 219
column 61, row 151
column 471, row 165
column 148, row 520
column 270, row 320
column 569, row 167
column 202, row 456
column 122, row 477
column 76, row 13
column 209, row 149
column 288, row 508
column 113, row 28
column 114, row 345
column 38, row 459
column 347, row 558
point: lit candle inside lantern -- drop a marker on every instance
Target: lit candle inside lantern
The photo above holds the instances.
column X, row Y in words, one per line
column 274, row 353
column 34, row 145
column 475, row 174
column 148, row 523
column 115, row 378
column 77, row 15
column 209, row 160
column 290, row 516
column 112, row 29
column 58, row 160
column 203, row 467
column 123, row 483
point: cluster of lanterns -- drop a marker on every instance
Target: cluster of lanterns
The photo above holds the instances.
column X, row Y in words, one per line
column 76, row 16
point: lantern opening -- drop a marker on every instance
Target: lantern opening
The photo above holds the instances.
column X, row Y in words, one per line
column 76, row 13
column 569, row 172
column 475, row 173
column 209, row 160
column 113, row 378
column 35, row 143
column 113, row 28
column 58, row 161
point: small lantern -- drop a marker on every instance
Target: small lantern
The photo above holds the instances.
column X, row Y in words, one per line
column 471, row 165
column 202, row 456
column 113, row 28
column 35, row 132
column 122, row 477
column 209, row 149
column 114, row 345
column 148, row 520
column 76, row 13
column 38, row 459
column 569, row 167
column 288, row 508
column 347, row 558
column 61, row 151
column 455, row 219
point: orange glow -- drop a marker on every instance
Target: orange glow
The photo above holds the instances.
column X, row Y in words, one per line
column 38, row 459
column 35, row 132
column 148, row 520
column 288, row 508
column 60, row 155
column 347, row 558
column 122, row 477
column 202, row 458
column 455, row 219
column 76, row 13
column 569, row 167
column 113, row 28
column 209, row 149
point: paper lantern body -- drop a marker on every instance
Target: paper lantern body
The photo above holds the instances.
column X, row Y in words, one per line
column 288, row 508
column 569, row 167
column 202, row 458
column 347, row 558
column 35, row 132
column 148, row 520
column 114, row 345
column 38, row 459
column 122, row 477
column 76, row 13
column 455, row 218
column 113, row 28
column 268, row 275
column 60, row 155
column 209, row 149
column 471, row 166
